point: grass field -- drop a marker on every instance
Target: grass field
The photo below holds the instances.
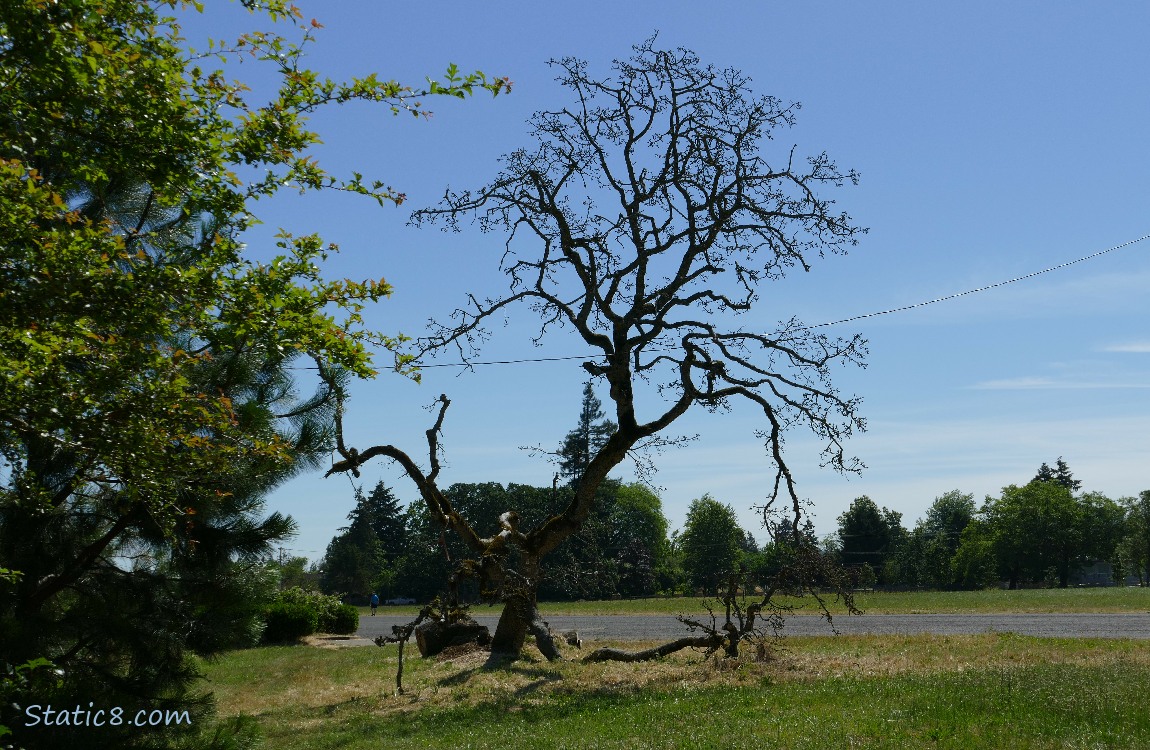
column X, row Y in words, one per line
column 987, row 691
column 915, row 602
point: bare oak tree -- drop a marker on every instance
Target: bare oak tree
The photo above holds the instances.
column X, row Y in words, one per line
column 647, row 218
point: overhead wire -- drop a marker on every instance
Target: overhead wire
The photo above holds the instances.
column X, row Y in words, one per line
column 981, row 288
column 851, row 319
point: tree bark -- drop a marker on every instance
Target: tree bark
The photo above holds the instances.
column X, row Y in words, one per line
column 520, row 617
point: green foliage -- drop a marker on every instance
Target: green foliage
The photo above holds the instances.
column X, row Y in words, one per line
column 926, row 554
column 328, row 609
column 870, row 536
column 1037, row 528
column 1036, row 534
column 364, row 556
column 293, row 572
column 1103, row 522
column 146, row 358
column 619, row 551
column 290, row 621
column 385, row 516
column 1133, row 550
column 21, row 680
column 1060, row 474
column 639, row 536
column 296, row 613
column 345, row 622
column 975, row 564
column 710, row 543
column 582, row 443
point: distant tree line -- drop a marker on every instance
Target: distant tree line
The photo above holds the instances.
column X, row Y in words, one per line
column 1036, row 534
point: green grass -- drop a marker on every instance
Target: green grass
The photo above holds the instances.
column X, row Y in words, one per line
column 913, row 602
column 988, row 691
column 1036, row 707
column 1113, row 599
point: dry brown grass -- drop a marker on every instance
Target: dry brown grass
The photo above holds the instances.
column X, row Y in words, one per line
column 274, row 681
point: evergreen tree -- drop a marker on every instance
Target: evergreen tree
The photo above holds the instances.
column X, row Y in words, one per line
column 120, row 601
column 365, row 555
column 386, row 517
column 1060, row 474
column 583, row 442
column 354, row 557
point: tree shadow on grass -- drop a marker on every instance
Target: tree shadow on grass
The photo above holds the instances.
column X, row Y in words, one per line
column 510, row 664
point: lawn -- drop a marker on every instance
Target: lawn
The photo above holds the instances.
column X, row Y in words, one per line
column 986, row 691
column 1113, row 599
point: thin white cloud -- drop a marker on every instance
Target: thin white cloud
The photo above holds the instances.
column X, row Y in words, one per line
column 1030, row 383
column 912, row 462
column 1139, row 347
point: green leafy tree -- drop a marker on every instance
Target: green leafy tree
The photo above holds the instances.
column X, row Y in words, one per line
column 145, row 399
column 1103, row 524
column 870, row 536
column 1037, row 532
column 1134, row 547
column 294, row 572
column 781, row 549
column 638, row 531
column 975, row 562
column 711, row 543
column 948, row 516
column 925, row 559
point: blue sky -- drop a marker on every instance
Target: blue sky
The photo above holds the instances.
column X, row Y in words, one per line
column 993, row 140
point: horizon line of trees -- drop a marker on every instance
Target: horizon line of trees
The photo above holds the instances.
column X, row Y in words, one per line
column 1037, row 534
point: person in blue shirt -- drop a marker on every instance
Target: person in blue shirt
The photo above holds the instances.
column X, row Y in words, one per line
column 374, row 602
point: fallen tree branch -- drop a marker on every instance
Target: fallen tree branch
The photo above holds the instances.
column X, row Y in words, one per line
column 709, row 642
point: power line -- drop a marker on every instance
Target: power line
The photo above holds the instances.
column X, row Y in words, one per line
column 844, row 320
column 982, row 288
column 502, row 362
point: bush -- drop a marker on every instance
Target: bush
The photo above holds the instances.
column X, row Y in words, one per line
column 289, row 621
column 331, row 616
column 346, row 620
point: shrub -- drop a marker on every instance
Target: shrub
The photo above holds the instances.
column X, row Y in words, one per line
column 346, row 620
column 289, row 621
column 331, row 615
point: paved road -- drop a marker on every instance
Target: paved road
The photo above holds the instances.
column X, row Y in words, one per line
column 661, row 627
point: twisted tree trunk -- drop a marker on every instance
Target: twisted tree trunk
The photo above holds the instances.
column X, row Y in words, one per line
column 521, row 616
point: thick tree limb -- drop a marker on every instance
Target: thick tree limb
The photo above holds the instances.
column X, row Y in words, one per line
column 709, row 642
